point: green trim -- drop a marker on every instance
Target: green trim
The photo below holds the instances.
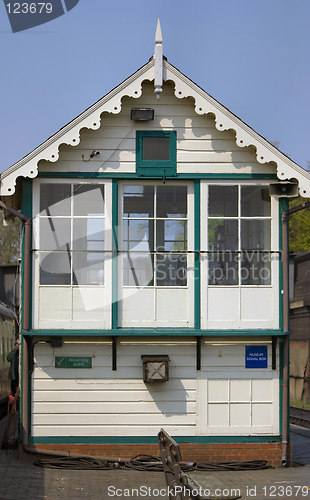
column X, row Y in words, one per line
column 29, row 399
column 283, row 206
column 152, row 439
column 114, row 249
column 288, row 430
column 156, row 168
column 158, row 332
column 116, row 175
column 197, row 276
column 26, row 208
column 280, row 384
column 21, row 387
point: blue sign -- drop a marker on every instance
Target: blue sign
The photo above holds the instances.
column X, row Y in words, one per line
column 256, row 356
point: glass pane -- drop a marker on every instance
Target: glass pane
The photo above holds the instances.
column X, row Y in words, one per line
column 138, row 201
column 138, row 269
column 55, row 199
column 138, row 235
column 255, row 234
column 223, row 201
column 155, row 148
column 55, row 234
column 55, row 268
column 171, row 201
column 88, row 268
column 88, row 234
column 171, row 270
column 88, row 199
column 223, row 268
column 223, row 234
column 171, row 235
column 255, row 268
column 255, row 201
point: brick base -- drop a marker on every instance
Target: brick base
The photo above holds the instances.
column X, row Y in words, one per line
column 191, row 452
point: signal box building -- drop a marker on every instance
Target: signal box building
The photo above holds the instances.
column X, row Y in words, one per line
column 155, row 296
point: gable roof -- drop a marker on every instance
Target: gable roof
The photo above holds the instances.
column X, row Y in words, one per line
column 132, row 87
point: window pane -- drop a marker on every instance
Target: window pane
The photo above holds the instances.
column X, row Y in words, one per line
column 138, row 201
column 171, row 270
column 138, row 235
column 255, row 234
column 171, row 201
column 223, row 201
column 88, row 199
column 171, row 235
column 155, row 148
column 223, row 234
column 223, row 268
column 55, row 199
column 138, row 269
column 255, row 201
column 55, row 268
column 88, row 234
column 255, row 268
column 55, row 234
column 88, row 268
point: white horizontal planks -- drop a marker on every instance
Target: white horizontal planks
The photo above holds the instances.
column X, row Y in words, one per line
column 232, row 399
column 99, row 401
column 224, row 398
column 201, row 148
column 116, row 430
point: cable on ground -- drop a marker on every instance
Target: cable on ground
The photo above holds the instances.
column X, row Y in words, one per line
column 145, row 463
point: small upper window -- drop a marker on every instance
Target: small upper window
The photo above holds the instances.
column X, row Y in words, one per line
column 156, row 153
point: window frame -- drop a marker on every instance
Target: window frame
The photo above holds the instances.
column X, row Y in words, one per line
column 215, row 299
column 106, row 287
column 188, row 289
column 239, row 218
column 156, row 168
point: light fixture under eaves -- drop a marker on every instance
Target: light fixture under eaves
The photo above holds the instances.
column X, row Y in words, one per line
column 142, row 114
column 284, row 190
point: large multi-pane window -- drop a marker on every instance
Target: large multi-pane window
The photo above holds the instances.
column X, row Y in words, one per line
column 72, row 253
column 71, row 234
column 155, row 235
column 239, row 235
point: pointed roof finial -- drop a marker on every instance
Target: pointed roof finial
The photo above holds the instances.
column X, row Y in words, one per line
column 158, row 34
column 158, row 61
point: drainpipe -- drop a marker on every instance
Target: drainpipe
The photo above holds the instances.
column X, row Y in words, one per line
column 26, row 302
column 286, row 312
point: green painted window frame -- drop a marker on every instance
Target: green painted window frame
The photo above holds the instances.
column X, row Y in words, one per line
column 156, row 168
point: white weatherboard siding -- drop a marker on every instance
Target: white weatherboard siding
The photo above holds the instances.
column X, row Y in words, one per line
column 100, row 402
column 201, row 148
column 223, row 399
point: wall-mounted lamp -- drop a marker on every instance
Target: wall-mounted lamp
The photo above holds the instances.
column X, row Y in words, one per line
column 284, row 190
column 155, row 368
column 142, row 114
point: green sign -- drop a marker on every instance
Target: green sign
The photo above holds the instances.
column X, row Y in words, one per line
column 72, row 362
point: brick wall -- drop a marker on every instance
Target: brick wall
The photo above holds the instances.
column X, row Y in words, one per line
column 207, row 452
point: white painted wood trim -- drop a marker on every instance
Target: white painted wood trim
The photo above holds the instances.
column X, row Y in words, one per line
column 70, row 323
column 132, row 87
column 245, row 135
column 70, row 134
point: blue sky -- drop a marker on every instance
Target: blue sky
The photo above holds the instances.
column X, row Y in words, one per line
column 251, row 55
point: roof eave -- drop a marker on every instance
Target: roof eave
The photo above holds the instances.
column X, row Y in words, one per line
column 132, row 87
